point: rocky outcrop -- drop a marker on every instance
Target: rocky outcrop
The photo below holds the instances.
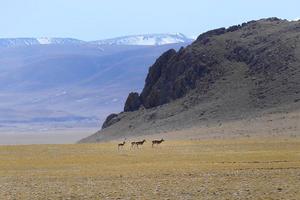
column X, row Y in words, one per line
column 133, row 102
column 151, row 96
column 110, row 120
column 215, row 32
column 173, row 75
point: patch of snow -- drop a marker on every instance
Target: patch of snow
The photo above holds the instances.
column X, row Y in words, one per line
column 294, row 20
column 44, row 40
column 194, row 37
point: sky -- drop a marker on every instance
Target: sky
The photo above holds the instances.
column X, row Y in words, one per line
column 101, row 19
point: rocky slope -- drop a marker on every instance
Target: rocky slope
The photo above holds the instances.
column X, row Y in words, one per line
column 243, row 72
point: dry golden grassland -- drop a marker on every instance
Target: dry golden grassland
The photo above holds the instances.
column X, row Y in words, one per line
column 261, row 168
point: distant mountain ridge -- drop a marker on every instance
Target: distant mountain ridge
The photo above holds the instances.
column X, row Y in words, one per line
column 16, row 42
column 148, row 39
column 143, row 39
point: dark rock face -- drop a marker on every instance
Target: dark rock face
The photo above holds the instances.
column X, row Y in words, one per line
column 211, row 33
column 234, row 28
column 175, row 74
column 150, row 95
column 110, row 120
column 133, row 102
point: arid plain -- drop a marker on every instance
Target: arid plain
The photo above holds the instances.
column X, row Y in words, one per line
column 240, row 168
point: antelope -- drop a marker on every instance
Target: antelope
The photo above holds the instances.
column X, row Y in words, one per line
column 140, row 143
column 157, row 142
column 121, row 144
column 133, row 144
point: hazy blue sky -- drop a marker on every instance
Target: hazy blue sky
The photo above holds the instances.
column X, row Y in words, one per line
column 98, row 19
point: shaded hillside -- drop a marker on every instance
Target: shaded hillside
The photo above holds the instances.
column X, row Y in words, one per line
column 242, row 72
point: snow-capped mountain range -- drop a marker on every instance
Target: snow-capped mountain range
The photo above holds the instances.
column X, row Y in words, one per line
column 13, row 42
column 146, row 39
